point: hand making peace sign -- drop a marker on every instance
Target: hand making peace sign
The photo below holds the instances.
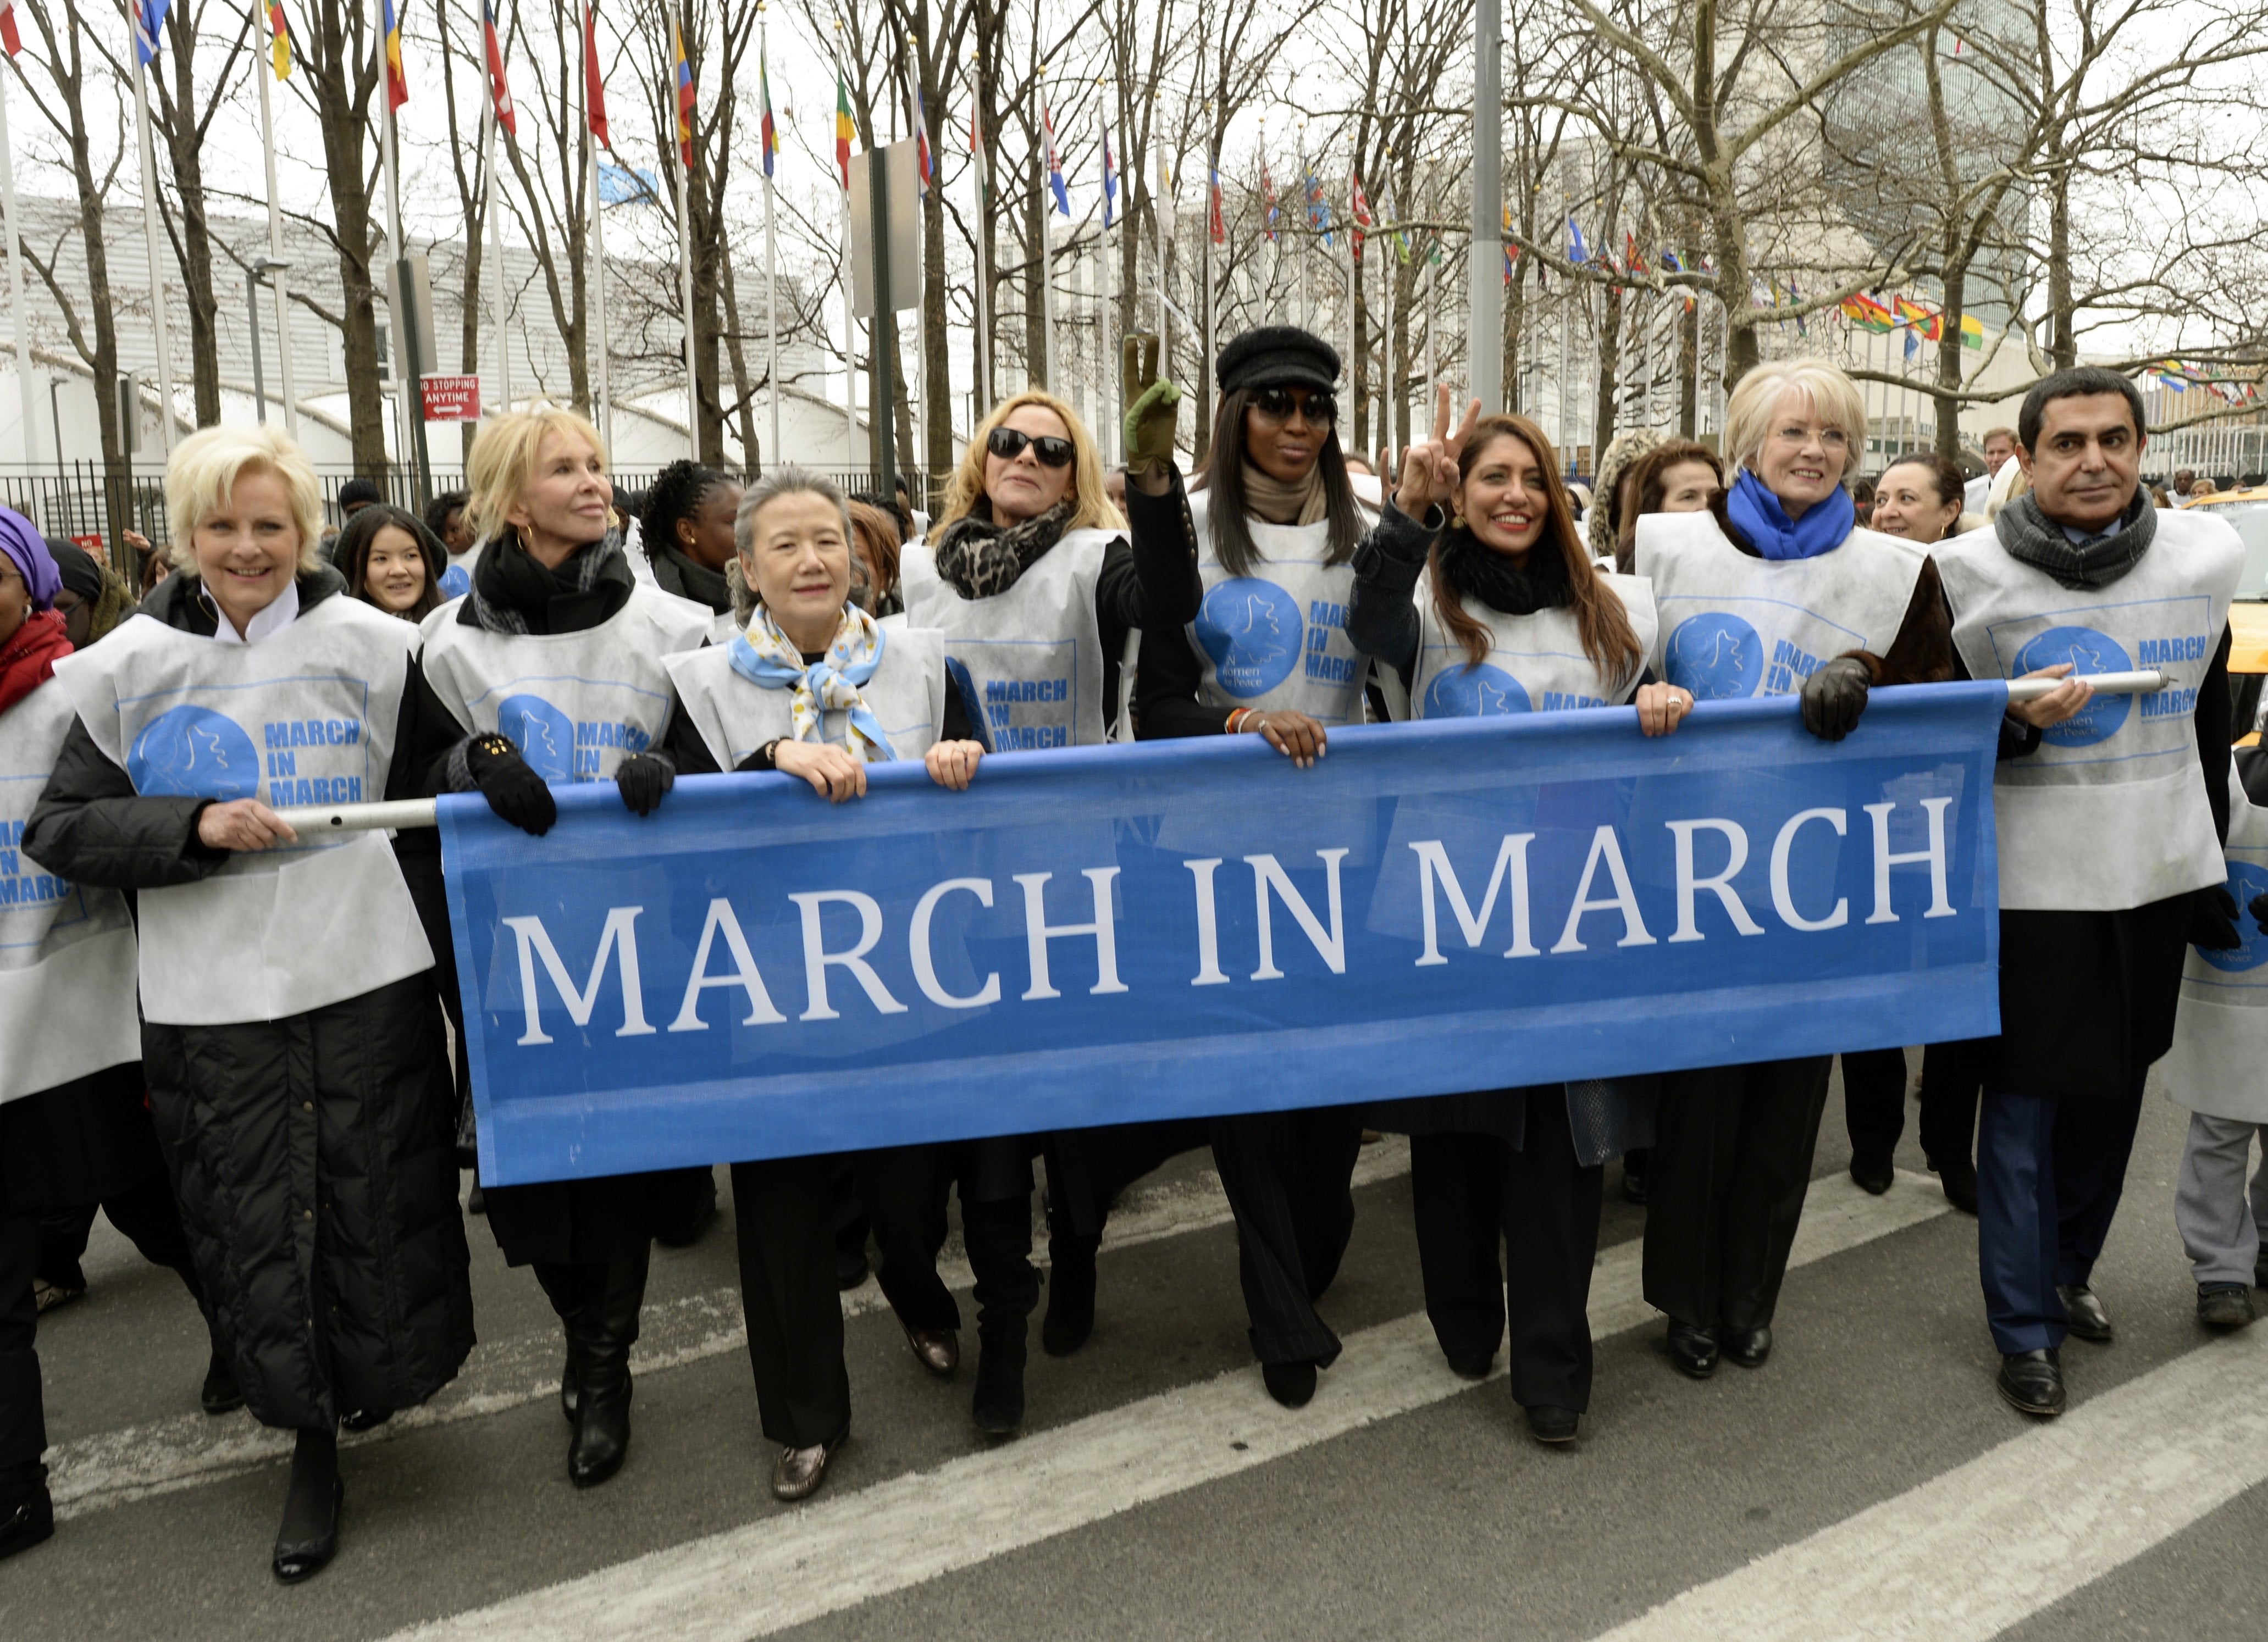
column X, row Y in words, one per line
column 1429, row 471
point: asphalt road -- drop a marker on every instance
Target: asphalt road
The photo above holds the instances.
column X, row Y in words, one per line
column 1865, row 1483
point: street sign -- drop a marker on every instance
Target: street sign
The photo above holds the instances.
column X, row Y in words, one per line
column 93, row 546
column 453, row 399
column 903, row 204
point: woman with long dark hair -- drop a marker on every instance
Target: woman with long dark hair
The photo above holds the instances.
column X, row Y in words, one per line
column 390, row 559
column 1476, row 590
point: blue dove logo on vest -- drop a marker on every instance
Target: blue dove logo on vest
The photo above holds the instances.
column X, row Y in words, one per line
column 544, row 735
column 454, row 583
column 1482, row 691
column 2088, row 652
column 1253, row 632
column 1716, row 655
column 194, row 753
column 972, row 703
column 2245, row 882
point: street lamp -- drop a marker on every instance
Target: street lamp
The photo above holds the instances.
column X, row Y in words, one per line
column 255, row 277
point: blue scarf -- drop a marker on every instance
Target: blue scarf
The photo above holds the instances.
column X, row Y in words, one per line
column 1757, row 514
column 763, row 656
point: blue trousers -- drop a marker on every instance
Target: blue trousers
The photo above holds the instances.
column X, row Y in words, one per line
column 2050, row 1169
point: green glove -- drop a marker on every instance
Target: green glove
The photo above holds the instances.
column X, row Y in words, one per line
column 1152, row 408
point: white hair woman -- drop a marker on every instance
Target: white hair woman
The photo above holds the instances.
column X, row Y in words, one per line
column 292, row 1043
column 1775, row 590
column 551, row 670
column 816, row 689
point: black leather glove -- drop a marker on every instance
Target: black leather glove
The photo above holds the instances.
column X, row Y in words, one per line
column 513, row 790
column 642, row 779
column 1834, row 697
column 2259, row 911
column 2213, row 921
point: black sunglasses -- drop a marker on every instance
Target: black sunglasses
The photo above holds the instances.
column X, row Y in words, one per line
column 1277, row 404
column 1008, row 444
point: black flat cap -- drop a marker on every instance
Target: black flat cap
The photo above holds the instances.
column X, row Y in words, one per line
column 1277, row 356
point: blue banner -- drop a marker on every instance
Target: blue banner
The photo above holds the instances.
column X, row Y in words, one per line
column 1186, row 927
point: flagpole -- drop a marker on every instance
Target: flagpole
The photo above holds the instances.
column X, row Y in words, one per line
column 685, row 280
column 850, row 315
column 496, row 253
column 1205, row 262
column 150, row 234
column 916, row 116
column 1047, row 233
column 599, row 263
column 771, row 246
column 16, row 288
column 1307, row 214
column 980, row 398
column 1113, row 363
column 405, row 384
column 276, row 275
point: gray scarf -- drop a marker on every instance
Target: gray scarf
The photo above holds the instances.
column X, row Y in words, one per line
column 2037, row 540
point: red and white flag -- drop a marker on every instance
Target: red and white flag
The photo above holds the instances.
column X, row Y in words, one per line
column 499, row 93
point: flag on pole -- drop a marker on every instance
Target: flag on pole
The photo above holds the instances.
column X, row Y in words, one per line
column 845, row 129
column 685, row 98
column 1268, row 199
column 1109, row 179
column 1511, row 251
column 1055, row 165
column 149, row 19
column 1972, row 330
column 279, row 50
column 594, row 83
column 1358, row 209
column 977, row 153
column 1319, row 208
column 499, row 93
column 1218, row 229
column 1867, row 314
column 13, row 42
column 1386, row 214
column 1925, row 320
column 397, row 81
column 766, row 130
column 1577, row 252
column 921, row 141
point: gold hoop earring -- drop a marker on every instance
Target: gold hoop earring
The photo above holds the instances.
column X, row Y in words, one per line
column 1456, row 521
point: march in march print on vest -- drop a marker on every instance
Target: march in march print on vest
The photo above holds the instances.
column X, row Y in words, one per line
column 2220, row 1033
column 1277, row 638
column 575, row 704
column 1733, row 624
column 1028, row 662
column 66, row 951
column 1535, row 662
column 306, row 716
column 2108, row 812
column 735, row 715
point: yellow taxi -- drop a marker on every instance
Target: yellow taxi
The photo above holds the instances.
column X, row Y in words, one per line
column 2248, row 616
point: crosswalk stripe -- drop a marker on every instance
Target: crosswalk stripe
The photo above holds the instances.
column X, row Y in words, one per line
column 798, row 1564
column 113, row 1468
column 1985, row 1545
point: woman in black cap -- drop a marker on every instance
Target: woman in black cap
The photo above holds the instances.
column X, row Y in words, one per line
column 1256, row 570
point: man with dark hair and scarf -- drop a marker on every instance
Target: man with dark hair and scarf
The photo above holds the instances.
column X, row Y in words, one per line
column 94, row 597
column 2109, row 842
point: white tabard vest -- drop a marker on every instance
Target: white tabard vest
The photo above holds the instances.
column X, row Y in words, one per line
column 2110, row 811
column 67, row 958
column 1278, row 638
column 1029, row 661
column 1732, row 625
column 575, row 704
column 1535, row 662
column 735, row 715
column 2219, row 1063
column 306, row 716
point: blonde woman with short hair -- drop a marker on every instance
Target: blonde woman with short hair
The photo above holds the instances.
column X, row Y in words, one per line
column 293, row 1054
column 1777, row 589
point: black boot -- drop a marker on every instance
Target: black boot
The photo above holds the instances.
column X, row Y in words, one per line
column 997, row 1407
column 568, row 1288
column 602, row 1415
column 221, row 1393
column 309, row 1537
column 27, row 1517
column 1071, row 1287
column 1000, row 1239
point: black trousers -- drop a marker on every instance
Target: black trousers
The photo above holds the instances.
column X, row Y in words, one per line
column 1732, row 1160
column 146, row 1213
column 1088, row 1169
column 1875, row 1095
column 1289, row 1177
column 1472, row 1192
column 784, row 1211
column 904, row 1189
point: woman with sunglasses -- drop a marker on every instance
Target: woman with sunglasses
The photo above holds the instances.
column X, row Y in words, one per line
column 1476, row 590
column 1256, row 569
column 1775, row 590
column 1031, row 583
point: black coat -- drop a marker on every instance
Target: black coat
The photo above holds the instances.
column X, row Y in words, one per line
column 310, row 1155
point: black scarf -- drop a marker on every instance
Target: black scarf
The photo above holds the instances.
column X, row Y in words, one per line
column 513, row 593
column 980, row 559
column 1515, row 587
column 2037, row 540
column 679, row 573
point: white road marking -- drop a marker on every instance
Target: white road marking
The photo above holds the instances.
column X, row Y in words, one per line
column 1989, row 1543
column 117, row 1467
column 799, row 1563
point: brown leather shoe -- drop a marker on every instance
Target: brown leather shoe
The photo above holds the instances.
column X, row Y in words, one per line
column 801, row 1470
column 936, row 1350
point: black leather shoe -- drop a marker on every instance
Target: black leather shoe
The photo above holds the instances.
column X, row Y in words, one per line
column 1959, row 1180
column 1875, row 1175
column 1693, row 1350
column 2031, row 1382
column 1292, row 1385
column 602, row 1433
column 2089, row 1320
column 2228, row 1306
column 998, row 1407
column 1748, row 1347
column 936, row 1350
column 305, row 1559
column 220, row 1393
column 1472, row 1365
column 26, row 1523
column 1070, row 1294
column 1546, row 1424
